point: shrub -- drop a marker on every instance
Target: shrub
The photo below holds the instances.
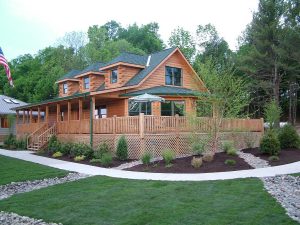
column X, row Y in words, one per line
column 146, row 158
column 10, row 141
column 168, row 156
column 227, row 145
column 288, row 137
column 102, row 148
column 196, row 162
column 208, row 157
column 57, row 155
column 79, row 149
column 21, row 144
column 230, row 162
column 79, row 158
column 269, row 143
column 65, row 148
column 122, row 148
column 232, row 151
column 272, row 113
column 249, row 140
column 106, row 159
column 273, row 158
column 95, row 161
column 53, row 145
column 198, row 148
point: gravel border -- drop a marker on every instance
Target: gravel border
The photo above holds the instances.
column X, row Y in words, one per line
column 252, row 160
column 20, row 187
column 10, row 218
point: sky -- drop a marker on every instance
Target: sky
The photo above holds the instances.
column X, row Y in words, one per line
column 27, row 26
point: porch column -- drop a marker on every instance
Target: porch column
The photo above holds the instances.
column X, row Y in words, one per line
column 27, row 118
column 30, row 117
column 57, row 112
column 47, row 114
column 69, row 115
column 39, row 115
column 17, row 112
column 80, row 114
column 92, row 110
column 23, row 116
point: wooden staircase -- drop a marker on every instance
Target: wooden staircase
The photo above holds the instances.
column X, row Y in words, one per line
column 40, row 138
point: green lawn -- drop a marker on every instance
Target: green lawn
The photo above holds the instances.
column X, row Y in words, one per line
column 104, row 200
column 18, row 170
column 295, row 174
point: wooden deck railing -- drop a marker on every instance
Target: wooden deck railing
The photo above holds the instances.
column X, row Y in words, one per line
column 152, row 125
column 28, row 128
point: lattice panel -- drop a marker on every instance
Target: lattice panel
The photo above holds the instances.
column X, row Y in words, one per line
column 108, row 138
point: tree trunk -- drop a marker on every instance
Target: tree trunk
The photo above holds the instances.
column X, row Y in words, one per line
column 276, row 89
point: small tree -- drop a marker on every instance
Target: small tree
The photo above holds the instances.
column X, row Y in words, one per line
column 122, row 148
column 11, row 121
column 272, row 114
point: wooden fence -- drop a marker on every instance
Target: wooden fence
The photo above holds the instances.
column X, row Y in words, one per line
column 157, row 125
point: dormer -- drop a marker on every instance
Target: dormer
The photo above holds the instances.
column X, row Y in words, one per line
column 121, row 69
column 68, row 85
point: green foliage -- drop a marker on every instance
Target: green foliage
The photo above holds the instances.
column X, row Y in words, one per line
column 81, row 149
column 231, row 151
column 272, row 114
column 102, row 149
column 198, row 144
column 65, row 148
column 208, row 157
column 95, row 160
column 21, row 144
column 196, row 162
column 11, row 121
column 269, row 143
column 230, row 162
column 79, row 158
column 122, row 148
column 249, row 139
column 168, row 156
column 227, row 145
column 10, row 141
column 289, row 137
column 106, row 159
column 146, row 158
column 53, row 145
column 184, row 40
column 57, row 155
column 273, row 158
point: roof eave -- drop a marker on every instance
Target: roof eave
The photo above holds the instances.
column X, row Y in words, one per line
column 123, row 64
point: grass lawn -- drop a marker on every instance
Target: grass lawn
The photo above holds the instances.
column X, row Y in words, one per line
column 18, row 170
column 104, row 200
column 295, row 174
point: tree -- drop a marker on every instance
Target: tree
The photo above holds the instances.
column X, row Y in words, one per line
column 113, row 29
column 184, row 40
column 75, row 40
column 145, row 37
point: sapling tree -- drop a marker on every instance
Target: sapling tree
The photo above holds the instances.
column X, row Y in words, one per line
column 227, row 92
column 272, row 113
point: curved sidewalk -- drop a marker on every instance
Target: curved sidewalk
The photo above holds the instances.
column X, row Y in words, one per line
column 93, row 170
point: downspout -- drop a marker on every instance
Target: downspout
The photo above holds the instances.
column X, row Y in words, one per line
column 91, row 122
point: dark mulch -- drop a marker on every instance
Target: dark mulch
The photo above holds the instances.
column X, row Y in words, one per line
column 183, row 165
column 286, row 155
column 114, row 163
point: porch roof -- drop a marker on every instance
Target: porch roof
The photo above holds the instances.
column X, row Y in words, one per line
column 58, row 99
column 163, row 90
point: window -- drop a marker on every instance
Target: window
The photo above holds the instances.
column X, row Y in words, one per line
column 102, row 112
column 4, row 123
column 86, row 81
column 61, row 116
column 135, row 108
column 173, row 76
column 114, row 76
column 7, row 100
column 65, row 88
column 171, row 108
column 15, row 101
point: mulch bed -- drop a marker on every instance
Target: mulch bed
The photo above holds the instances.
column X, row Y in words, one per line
column 183, row 165
column 115, row 162
column 285, row 156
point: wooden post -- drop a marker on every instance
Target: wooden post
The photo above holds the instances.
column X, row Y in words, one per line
column 30, row 118
column 58, row 119
column 39, row 115
column 17, row 112
column 80, row 114
column 114, row 124
column 142, row 125
column 92, row 109
column 23, row 116
column 177, row 133
column 69, row 115
column 47, row 114
column 27, row 117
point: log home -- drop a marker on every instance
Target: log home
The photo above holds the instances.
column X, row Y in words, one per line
column 93, row 104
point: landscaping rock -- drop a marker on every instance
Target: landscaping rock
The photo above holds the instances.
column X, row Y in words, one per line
column 26, row 186
column 253, row 161
column 15, row 219
column 286, row 190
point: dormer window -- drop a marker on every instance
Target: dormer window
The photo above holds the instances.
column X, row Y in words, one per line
column 114, row 76
column 173, row 76
column 65, row 88
column 86, row 81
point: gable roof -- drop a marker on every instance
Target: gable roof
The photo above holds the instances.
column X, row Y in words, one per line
column 155, row 60
column 163, row 90
column 129, row 58
column 5, row 107
column 73, row 73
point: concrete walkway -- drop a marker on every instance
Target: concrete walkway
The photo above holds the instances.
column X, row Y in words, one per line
column 93, row 170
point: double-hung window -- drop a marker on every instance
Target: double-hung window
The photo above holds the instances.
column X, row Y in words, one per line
column 114, row 76
column 65, row 88
column 173, row 76
column 86, row 83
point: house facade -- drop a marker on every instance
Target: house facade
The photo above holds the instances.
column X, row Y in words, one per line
column 94, row 104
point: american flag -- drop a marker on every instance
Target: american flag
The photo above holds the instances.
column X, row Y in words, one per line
column 4, row 62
